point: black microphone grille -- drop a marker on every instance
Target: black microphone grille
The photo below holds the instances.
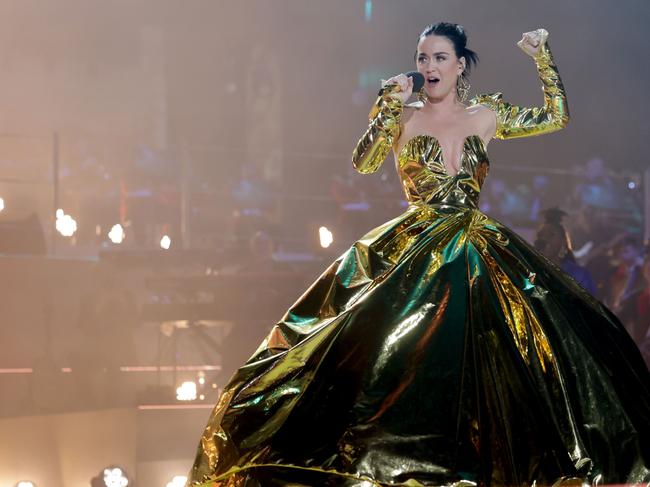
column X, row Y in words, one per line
column 418, row 80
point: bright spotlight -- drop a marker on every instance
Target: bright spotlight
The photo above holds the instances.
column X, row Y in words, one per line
column 116, row 234
column 326, row 237
column 186, row 391
column 25, row 483
column 65, row 224
column 165, row 242
column 114, row 477
column 177, row 481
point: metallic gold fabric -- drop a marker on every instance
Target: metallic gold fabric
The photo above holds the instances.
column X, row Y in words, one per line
column 383, row 130
column 440, row 349
column 515, row 121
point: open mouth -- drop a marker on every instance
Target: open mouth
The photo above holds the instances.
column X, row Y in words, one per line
column 432, row 81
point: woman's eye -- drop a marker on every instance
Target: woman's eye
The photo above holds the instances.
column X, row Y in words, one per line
column 440, row 58
column 421, row 60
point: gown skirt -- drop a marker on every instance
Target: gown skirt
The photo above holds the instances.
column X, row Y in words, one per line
column 439, row 349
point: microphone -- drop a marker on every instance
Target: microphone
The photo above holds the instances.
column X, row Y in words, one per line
column 418, row 80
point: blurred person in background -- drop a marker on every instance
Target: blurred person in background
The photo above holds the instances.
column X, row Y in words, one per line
column 627, row 278
column 608, row 203
column 594, row 243
column 494, row 195
column 595, row 186
column 629, row 287
column 554, row 242
column 539, row 197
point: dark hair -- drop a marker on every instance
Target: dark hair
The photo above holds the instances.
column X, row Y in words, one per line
column 456, row 34
column 553, row 217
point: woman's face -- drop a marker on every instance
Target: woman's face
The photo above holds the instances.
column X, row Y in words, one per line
column 437, row 61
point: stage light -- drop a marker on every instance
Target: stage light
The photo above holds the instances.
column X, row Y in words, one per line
column 368, row 10
column 186, row 391
column 326, row 237
column 2, row 204
column 116, row 234
column 165, row 242
column 114, row 477
column 25, row 483
column 631, row 185
column 65, row 224
column 177, row 481
column 111, row 476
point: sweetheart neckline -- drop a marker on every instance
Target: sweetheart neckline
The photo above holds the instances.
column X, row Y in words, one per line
column 442, row 155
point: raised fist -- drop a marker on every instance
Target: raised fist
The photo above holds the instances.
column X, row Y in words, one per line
column 531, row 42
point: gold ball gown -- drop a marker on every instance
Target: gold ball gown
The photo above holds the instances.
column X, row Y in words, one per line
column 440, row 349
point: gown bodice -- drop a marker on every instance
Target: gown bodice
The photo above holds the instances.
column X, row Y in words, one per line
column 420, row 163
column 425, row 178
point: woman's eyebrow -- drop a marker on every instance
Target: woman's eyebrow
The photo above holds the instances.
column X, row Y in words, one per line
column 435, row 53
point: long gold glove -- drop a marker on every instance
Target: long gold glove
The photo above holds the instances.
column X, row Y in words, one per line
column 515, row 121
column 384, row 129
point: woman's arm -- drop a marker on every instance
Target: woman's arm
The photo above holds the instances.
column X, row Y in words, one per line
column 383, row 131
column 515, row 121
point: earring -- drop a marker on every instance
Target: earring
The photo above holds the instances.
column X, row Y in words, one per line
column 422, row 96
column 462, row 87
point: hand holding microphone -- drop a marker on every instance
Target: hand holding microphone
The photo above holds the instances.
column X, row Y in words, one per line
column 406, row 84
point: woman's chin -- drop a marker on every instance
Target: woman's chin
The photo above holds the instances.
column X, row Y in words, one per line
column 429, row 93
column 436, row 93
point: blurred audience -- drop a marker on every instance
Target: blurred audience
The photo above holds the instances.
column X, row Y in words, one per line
column 596, row 241
column 627, row 285
column 554, row 242
column 595, row 187
column 540, row 197
column 627, row 278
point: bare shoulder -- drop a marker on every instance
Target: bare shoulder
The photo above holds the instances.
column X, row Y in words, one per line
column 484, row 119
column 480, row 112
column 407, row 114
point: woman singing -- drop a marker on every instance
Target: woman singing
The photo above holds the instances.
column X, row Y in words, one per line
column 441, row 348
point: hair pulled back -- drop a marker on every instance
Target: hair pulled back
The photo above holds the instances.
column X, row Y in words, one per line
column 456, row 35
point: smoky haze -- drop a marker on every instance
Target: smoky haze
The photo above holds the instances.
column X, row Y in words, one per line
column 192, row 97
column 109, row 76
